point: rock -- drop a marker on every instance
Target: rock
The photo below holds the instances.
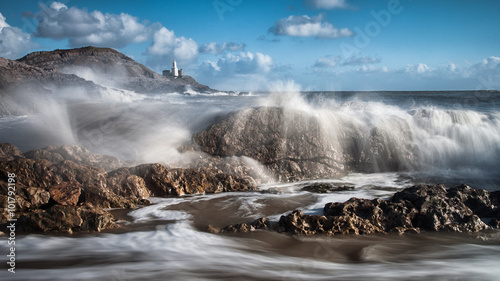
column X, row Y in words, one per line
column 35, row 197
column 66, row 219
column 66, row 193
column 69, row 197
column 9, row 152
column 326, row 188
column 297, row 145
column 174, row 182
column 77, row 154
column 417, row 208
column 288, row 142
column 127, row 185
column 259, row 224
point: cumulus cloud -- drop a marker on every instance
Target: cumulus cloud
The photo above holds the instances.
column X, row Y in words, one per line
column 361, row 60
column 91, row 28
column 241, row 71
column 327, row 62
column 372, row 69
column 305, row 26
column 491, row 63
column 14, row 43
column 420, row 68
column 166, row 46
column 327, row 4
column 217, row 49
column 243, row 63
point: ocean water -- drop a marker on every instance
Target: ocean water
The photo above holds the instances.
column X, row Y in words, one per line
column 454, row 137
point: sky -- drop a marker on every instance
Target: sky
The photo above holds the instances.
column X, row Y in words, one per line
column 246, row 45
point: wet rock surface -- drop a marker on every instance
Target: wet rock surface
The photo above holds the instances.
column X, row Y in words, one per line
column 64, row 196
column 287, row 142
column 325, row 187
column 297, row 145
column 414, row 209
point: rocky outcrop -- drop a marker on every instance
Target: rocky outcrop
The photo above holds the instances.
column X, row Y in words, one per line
column 174, row 182
column 66, row 193
column 288, row 142
column 326, row 187
column 297, row 145
column 78, row 154
column 415, row 209
column 64, row 196
column 9, row 152
column 118, row 69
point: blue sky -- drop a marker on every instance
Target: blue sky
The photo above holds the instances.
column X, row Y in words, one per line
column 247, row 44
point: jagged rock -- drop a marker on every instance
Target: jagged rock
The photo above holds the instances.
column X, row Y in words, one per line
column 66, row 193
column 422, row 207
column 261, row 223
column 174, row 182
column 127, row 185
column 67, row 219
column 33, row 197
column 78, row 154
column 326, row 187
column 9, row 152
column 67, row 197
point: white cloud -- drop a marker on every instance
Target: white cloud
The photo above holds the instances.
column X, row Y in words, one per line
column 327, row 62
column 217, row 49
column 491, row 63
column 305, row 26
column 327, row 4
column 420, row 68
column 242, row 71
column 361, row 60
column 166, row 46
column 245, row 63
column 91, row 28
column 14, row 43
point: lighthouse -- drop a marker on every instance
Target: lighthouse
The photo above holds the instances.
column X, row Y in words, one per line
column 175, row 71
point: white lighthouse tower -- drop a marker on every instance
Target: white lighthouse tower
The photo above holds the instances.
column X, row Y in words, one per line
column 175, row 71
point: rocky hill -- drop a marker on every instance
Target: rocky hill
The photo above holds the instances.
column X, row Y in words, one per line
column 111, row 68
column 22, row 85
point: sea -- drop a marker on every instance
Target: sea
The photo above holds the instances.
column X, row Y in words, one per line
column 456, row 136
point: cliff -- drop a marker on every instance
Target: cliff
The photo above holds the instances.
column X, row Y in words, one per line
column 111, row 68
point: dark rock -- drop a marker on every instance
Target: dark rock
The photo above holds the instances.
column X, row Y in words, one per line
column 9, row 152
column 422, row 207
column 66, row 193
column 259, row 224
column 326, row 188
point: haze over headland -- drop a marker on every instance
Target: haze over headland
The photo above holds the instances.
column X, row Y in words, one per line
column 243, row 45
